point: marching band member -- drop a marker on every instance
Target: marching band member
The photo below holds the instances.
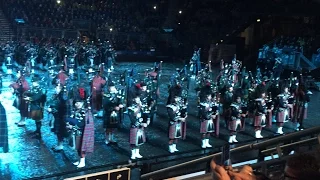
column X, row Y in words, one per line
column 57, row 106
column 82, row 125
column 282, row 108
column 260, row 115
column 302, row 100
column 133, row 90
column 111, row 106
column 61, row 76
column 236, row 119
column 36, row 98
column 20, row 87
column 208, row 113
column 96, row 88
column 175, row 120
column 137, row 132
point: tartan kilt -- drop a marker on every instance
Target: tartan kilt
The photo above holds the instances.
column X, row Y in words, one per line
column 280, row 116
column 36, row 115
column 87, row 144
column 174, row 131
column 302, row 112
column 207, row 126
column 96, row 101
column 23, row 107
column 232, row 125
column 258, row 120
column 134, row 139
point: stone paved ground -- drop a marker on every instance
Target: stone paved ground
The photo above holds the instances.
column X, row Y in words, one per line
column 29, row 158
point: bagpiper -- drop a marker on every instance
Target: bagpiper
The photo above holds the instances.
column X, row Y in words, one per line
column 81, row 124
column 36, row 98
column 62, row 77
column 282, row 108
column 137, row 130
column 98, row 82
column 260, row 115
column 175, row 119
column 20, row 87
column 111, row 106
column 57, row 107
column 237, row 119
column 209, row 117
column 137, row 88
column 302, row 100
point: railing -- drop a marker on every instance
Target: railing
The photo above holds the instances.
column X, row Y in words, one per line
column 256, row 146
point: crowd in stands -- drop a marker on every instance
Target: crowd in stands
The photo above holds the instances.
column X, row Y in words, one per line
column 286, row 47
column 111, row 15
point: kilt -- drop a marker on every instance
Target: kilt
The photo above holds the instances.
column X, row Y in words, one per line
column 206, row 126
column 175, row 130
column 137, row 136
column 269, row 119
column 87, row 144
column 234, row 125
column 302, row 113
column 259, row 120
column 36, row 115
column 96, row 101
column 280, row 118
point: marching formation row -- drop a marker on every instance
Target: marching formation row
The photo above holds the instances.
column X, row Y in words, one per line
column 235, row 94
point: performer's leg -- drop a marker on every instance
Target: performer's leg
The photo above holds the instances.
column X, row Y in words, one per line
column 38, row 129
column 258, row 132
column 137, row 152
column 203, row 140
column 207, row 140
column 174, row 145
column 133, row 151
column 112, row 138
column 82, row 162
column 171, row 150
column 280, row 126
column 232, row 136
column 22, row 121
column 59, row 147
column 108, row 135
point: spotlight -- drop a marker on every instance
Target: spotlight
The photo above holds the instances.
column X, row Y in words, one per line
column 258, row 20
column 180, row 12
column 154, row 7
column 58, row 1
column 221, row 40
column 217, row 44
column 179, row 23
column 110, row 29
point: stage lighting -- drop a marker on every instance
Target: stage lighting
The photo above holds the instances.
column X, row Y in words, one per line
column 221, row 40
column 58, row 1
column 154, row 7
column 179, row 23
column 258, row 20
column 180, row 12
column 110, row 29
